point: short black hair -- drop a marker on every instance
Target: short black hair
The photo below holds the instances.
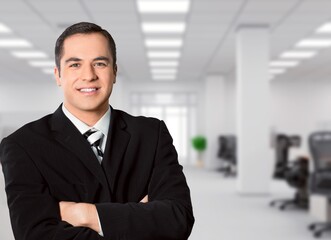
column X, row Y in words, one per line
column 83, row 28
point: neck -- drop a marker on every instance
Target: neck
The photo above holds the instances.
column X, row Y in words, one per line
column 91, row 117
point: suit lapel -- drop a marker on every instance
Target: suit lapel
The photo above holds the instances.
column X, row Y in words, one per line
column 69, row 136
column 117, row 142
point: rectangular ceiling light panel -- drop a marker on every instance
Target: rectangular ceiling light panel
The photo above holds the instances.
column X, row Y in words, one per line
column 152, row 6
column 164, row 43
column 163, row 63
column 163, row 70
column 163, row 54
column 48, row 70
column 164, row 77
column 163, row 27
column 277, row 70
column 325, row 28
column 298, row 54
column 314, row 43
column 29, row 54
column 14, row 42
column 284, row 63
column 42, row 63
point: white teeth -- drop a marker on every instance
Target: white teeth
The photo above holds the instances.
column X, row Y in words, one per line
column 88, row 89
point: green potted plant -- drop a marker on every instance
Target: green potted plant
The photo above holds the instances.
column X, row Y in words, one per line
column 199, row 143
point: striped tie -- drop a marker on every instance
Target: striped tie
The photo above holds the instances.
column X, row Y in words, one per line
column 94, row 137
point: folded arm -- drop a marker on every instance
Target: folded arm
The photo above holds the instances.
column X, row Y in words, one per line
column 83, row 214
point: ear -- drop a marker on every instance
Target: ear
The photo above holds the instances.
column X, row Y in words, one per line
column 57, row 76
column 115, row 73
column 115, row 69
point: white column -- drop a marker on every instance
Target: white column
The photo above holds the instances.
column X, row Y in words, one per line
column 214, row 118
column 254, row 156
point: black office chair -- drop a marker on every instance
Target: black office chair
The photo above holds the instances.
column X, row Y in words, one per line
column 320, row 180
column 227, row 154
column 283, row 143
column 295, row 172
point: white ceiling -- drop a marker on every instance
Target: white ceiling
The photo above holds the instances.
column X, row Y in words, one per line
column 209, row 39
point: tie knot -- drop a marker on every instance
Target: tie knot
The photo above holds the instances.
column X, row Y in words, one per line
column 93, row 136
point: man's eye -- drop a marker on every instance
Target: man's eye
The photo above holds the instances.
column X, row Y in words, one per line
column 75, row 65
column 100, row 64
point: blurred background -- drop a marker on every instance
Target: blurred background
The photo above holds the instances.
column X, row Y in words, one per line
column 243, row 85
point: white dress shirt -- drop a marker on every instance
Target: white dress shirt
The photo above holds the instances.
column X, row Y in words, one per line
column 102, row 125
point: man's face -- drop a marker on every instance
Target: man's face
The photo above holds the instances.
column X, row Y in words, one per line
column 86, row 73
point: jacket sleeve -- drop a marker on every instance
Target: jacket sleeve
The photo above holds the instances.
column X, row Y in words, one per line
column 34, row 213
column 167, row 215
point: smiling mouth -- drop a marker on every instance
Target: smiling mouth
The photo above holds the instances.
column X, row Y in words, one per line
column 88, row 90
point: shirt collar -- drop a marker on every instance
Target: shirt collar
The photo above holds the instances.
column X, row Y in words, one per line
column 102, row 124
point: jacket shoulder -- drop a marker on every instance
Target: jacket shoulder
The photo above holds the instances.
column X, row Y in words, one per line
column 40, row 127
column 138, row 124
column 139, row 120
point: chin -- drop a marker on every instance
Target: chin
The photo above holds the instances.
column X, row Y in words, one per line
column 93, row 108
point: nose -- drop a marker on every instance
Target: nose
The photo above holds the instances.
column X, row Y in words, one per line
column 88, row 73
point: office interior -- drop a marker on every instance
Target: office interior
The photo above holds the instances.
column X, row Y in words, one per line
column 254, row 73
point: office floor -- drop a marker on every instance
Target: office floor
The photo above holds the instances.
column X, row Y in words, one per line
column 222, row 214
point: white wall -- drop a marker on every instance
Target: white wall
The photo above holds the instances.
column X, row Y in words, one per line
column 214, row 118
column 118, row 96
column 22, row 103
column 29, row 97
column 230, row 105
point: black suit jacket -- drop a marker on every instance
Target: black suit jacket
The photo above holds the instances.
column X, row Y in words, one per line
column 48, row 161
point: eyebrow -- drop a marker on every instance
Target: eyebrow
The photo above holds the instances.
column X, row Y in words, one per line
column 101, row 58
column 75, row 59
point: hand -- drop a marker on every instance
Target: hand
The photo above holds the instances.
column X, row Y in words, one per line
column 145, row 199
column 80, row 215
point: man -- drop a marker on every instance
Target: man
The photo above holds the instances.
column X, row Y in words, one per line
column 88, row 171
